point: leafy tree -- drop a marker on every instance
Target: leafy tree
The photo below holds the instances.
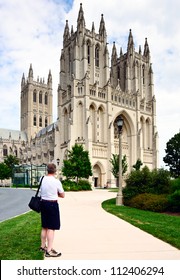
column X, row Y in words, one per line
column 172, row 158
column 115, row 165
column 138, row 164
column 5, row 171
column 78, row 164
column 10, row 161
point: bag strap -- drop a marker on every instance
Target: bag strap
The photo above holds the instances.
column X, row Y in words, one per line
column 39, row 186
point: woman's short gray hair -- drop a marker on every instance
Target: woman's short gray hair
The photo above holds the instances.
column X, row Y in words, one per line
column 51, row 168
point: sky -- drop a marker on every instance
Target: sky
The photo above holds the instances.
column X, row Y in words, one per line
column 32, row 32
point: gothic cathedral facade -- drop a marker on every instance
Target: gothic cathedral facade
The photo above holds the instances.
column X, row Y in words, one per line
column 91, row 95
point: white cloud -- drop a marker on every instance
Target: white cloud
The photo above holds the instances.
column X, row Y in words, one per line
column 32, row 32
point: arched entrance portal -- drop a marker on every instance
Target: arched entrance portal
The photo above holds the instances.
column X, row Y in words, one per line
column 97, row 175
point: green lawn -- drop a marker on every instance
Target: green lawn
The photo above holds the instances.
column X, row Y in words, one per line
column 162, row 226
column 20, row 238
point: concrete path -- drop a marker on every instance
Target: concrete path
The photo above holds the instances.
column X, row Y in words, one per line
column 90, row 233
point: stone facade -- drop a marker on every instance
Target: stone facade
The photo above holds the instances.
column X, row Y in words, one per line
column 91, row 95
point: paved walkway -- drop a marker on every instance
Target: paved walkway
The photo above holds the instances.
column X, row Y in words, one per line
column 90, row 233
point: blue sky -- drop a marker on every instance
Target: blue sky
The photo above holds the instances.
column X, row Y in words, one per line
column 32, row 32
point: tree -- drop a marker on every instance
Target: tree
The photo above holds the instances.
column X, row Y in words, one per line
column 10, row 161
column 172, row 158
column 115, row 165
column 5, row 171
column 138, row 164
column 78, row 164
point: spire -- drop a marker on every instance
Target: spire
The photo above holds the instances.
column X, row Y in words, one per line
column 23, row 80
column 146, row 48
column 121, row 52
column 102, row 28
column 30, row 72
column 49, row 77
column 130, row 46
column 66, row 31
column 72, row 31
column 93, row 28
column 114, row 54
column 140, row 49
column 80, row 20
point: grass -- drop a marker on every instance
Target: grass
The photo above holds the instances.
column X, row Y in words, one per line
column 162, row 226
column 20, row 238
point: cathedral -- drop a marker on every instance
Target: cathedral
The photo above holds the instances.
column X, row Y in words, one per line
column 92, row 92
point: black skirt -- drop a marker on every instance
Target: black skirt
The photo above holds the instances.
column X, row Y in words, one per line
column 50, row 216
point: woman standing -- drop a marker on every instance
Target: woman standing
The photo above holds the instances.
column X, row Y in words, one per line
column 51, row 189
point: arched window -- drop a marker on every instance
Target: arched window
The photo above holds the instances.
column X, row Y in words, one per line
column 69, row 57
column 46, row 98
column 5, row 151
column 46, row 121
column 118, row 72
column 34, row 95
column 97, row 56
column 143, row 74
column 40, row 97
column 88, row 52
column 15, row 152
column 34, row 120
column 40, row 121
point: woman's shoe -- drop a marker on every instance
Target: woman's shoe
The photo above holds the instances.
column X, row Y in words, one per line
column 43, row 249
column 52, row 253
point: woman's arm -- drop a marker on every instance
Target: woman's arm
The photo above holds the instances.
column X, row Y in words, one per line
column 61, row 194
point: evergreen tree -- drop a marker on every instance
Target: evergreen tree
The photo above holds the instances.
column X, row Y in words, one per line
column 115, row 165
column 172, row 158
column 138, row 164
column 5, row 171
column 10, row 161
column 78, row 164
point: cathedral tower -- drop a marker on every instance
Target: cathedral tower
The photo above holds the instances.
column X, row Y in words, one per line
column 36, row 104
column 91, row 95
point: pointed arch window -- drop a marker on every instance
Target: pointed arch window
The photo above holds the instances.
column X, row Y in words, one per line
column 46, row 98
column 40, row 97
column 15, row 152
column 69, row 58
column 40, row 121
column 118, row 73
column 97, row 56
column 34, row 96
column 34, row 120
column 5, row 151
column 46, row 121
column 143, row 74
column 88, row 52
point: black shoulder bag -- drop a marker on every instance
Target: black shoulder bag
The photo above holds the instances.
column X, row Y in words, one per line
column 35, row 202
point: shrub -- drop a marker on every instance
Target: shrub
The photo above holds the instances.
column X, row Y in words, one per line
column 175, row 184
column 145, row 181
column 69, row 185
column 174, row 201
column 160, row 181
column 150, row 202
column 137, row 182
column 84, row 185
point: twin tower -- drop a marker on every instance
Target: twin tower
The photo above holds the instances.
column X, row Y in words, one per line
column 92, row 93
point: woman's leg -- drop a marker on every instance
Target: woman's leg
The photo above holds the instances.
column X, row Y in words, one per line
column 43, row 237
column 50, row 239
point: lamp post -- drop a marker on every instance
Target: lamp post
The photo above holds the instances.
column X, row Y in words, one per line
column 119, row 200
column 58, row 161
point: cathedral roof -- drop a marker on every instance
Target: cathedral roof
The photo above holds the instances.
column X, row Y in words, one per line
column 47, row 129
column 13, row 134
